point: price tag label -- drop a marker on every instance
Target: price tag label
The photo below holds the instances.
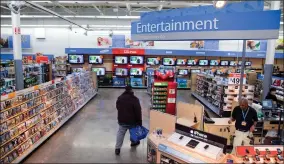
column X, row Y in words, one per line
column 235, row 78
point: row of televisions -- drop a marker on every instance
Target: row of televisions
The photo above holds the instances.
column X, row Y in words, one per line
column 101, row 71
column 96, row 59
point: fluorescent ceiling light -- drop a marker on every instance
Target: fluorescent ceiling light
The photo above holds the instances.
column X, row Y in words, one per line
column 281, row 22
column 42, row 1
column 76, row 16
column 219, row 4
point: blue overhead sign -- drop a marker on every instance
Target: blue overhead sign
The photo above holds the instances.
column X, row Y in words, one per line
column 222, row 26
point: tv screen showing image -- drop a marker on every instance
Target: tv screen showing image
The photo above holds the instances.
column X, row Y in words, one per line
column 181, row 61
column 153, row 61
column 136, row 72
column 240, row 63
column 195, row 71
column 233, row 63
column 191, row 62
column 120, row 60
column 136, row 60
column 76, row 59
column 168, row 61
column 101, row 71
column 95, row 59
column 203, row 62
column 183, row 72
column 214, row 62
column 248, row 63
column 224, row 63
column 121, row 71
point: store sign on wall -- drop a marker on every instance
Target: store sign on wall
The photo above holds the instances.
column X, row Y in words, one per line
column 235, row 78
column 128, row 51
column 247, row 25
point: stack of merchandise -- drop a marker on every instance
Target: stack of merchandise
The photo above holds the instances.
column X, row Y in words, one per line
column 33, row 114
column 61, row 66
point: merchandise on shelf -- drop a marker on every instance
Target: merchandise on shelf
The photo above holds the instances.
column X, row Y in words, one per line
column 61, row 66
column 29, row 115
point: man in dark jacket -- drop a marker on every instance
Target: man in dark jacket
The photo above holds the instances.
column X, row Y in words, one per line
column 129, row 115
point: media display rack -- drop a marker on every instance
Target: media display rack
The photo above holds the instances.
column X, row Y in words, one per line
column 159, row 96
column 30, row 116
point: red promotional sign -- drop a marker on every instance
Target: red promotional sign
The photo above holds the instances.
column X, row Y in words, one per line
column 42, row 59
column 128, row 51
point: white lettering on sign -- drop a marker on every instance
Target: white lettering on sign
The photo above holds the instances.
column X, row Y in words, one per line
column 169, row 52
column 130, row 52
column 178, row 26
column 235, row 78
column 104, row 51
column 199, row 134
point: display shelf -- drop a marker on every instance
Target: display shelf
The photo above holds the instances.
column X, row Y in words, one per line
column 19, row 138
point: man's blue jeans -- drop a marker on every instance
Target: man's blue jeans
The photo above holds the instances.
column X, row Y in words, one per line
column 120, row 135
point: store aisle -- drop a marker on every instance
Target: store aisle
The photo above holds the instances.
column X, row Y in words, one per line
column 90, row 135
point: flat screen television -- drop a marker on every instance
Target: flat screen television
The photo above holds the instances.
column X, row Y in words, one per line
column 152, row 61
column 224, row 63
column 95, row 59
column 233, row 63
column 169, row 61
column 240, row 63
column 214, row 62
column 195, row 70
column 121, row 72
column 136, row 71
column 182, row 71
column 203, row 62
column 181, row 61
column 120, row 59
column 101, row 71
column 248, row 63
column 136, row 60
column 76, row 59
column 191, row 62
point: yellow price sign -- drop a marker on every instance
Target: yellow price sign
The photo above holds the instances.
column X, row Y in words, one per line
column 11, row 95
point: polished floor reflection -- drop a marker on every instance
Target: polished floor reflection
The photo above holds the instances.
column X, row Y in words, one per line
column 90, row 135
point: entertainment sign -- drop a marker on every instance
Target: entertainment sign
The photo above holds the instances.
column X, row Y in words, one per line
column 247, row 25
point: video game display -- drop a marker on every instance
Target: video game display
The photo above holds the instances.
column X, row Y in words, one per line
column 95, row 59
column 101, row 71
column 120, row 60
column 136, row 60
column 169, row 61
column 183, row 72
column 224, row 63
column 76, row 59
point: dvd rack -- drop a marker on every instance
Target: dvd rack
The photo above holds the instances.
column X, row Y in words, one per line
column 159, row 96
column 61, row 66
column 29, row 116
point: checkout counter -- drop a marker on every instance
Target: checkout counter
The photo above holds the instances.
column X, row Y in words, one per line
column 183, row 139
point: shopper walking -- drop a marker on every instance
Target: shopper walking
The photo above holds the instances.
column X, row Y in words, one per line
column 246, row 119
column 129, row 115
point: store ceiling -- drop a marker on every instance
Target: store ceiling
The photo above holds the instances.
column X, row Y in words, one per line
column 107, row 8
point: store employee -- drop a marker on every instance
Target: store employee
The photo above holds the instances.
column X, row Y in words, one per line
column 246, row 119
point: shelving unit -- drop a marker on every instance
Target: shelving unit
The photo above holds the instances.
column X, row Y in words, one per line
column 61, row 66
column 30, row 116
column 159, row 96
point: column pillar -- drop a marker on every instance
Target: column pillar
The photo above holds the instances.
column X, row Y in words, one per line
column 17, row 48
column 269, row 60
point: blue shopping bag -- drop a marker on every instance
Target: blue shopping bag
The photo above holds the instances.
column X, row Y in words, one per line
column 138, row 133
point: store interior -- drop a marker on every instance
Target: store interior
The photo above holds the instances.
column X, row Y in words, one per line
column 65, row 63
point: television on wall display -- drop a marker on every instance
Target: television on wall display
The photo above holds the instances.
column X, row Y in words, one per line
column 203, row 62
column 191, row 62
column 121, row 71
column 214, row 62
column 195, row 70
column 120, row 60
column 101, row 71
column 183, row 72
column 248, row 63
column 224, row 63
column 152, row 61
column 169, row 61
column 76, row 59
column 181, row 61
column 233, row 63
column 240, row 63
column 95, row 59
column 136, row 71
column 136, row 60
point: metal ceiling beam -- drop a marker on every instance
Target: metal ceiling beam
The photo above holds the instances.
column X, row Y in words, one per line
column 54, row 13
column 5, row 8
column 64, row 8
column 100, row 11
column 160, row 7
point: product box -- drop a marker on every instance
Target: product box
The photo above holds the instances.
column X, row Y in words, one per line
column 276, row 82
column 251, row 78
